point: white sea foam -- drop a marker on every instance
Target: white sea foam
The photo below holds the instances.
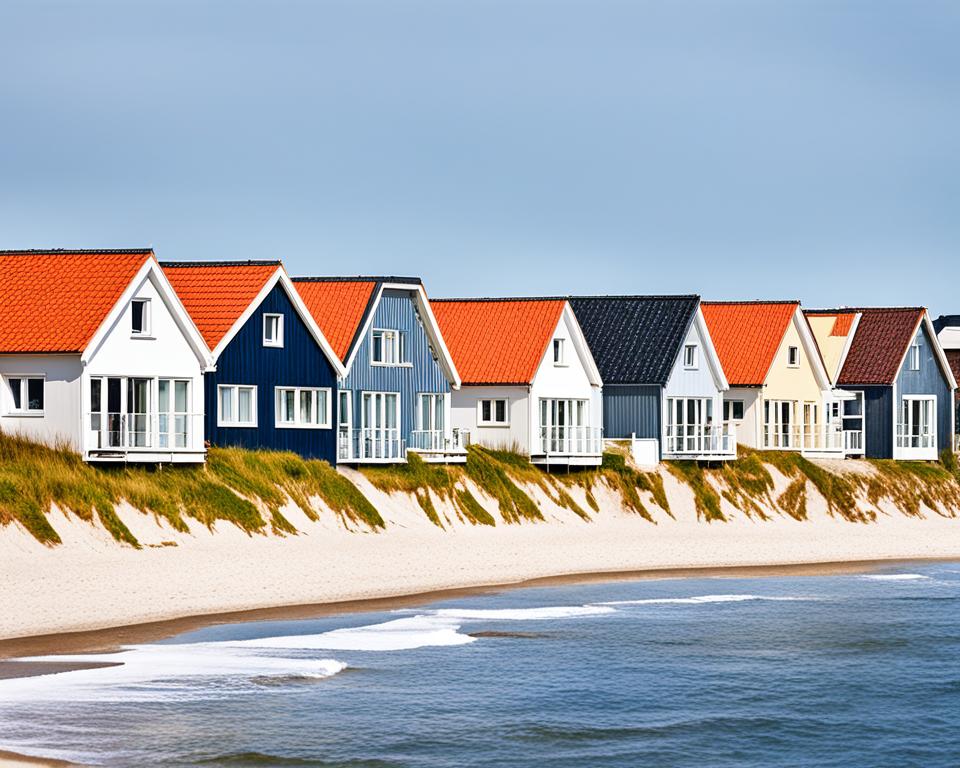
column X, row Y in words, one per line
column 895, row 577
column 524, row 614
column 701, row 599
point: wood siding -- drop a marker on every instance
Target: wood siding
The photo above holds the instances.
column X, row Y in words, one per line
column 631, row 410
column 299, row 363
column 878, row 421
column 929, row 380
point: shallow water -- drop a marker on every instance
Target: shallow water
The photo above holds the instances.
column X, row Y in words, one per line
column 849, row 670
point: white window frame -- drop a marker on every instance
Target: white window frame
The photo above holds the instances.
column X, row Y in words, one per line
column 399, row 347
column 147, row 319
column 790, row 353
column 324, row 420
column 728, row 408
column 559, row 352
column 11, row 409
column 492, row 422
column 694, row 362
column 903, row 432
column 169, row 417
column 276, row 342
column 438, row 402
column 234, row 420
column 913, row 357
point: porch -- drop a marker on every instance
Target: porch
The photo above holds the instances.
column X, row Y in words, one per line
column 797, row 426
column 568, row 446
column 440, row 447
column 700, row 442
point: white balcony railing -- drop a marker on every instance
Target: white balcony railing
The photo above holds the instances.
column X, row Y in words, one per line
column 701, row 441
column 914, row 439
column 853, row 441
column 371, row 445
column 813, row 439
column 438, row 441
column 571, row 441
column 113, row 432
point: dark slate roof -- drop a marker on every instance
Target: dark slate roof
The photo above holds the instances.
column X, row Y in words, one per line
column 879, row 344
column 946, row 321
column 635, row 339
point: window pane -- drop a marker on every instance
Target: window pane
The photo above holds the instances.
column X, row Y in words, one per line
column 137, row 316
column 322, row 407
column 289, row 405
column 391, row 412
column 180, row 390
column 389, row 348
column 485, row 410
column 377, row 346
column 35, row 394
column 245, row 405
column 306, row 406
column 16, row 392
column 95, row 393
column 738, row 409
column 163, row 392
column 501, row 410
column 438, row 413
column 226, row 403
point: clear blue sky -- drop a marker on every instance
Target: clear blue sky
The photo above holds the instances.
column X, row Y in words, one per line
column 738, row 149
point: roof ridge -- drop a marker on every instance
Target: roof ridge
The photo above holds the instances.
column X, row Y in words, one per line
column 358, row 279
column 866, row 309
column 493, row 299
column 71, row 251
column 753, row 302
column 657, row 296
column 228, row 263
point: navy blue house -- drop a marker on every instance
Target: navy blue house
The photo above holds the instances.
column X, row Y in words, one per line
column 275, row 381
column 395, row 394
column 903, row 384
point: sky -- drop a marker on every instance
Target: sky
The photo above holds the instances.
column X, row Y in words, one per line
column 738, row 149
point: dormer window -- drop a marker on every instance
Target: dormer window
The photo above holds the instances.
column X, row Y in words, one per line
column 558, row 352
column 387, row 347
column 690, row 357
column 140, row 317
column 793, row 357
column 272, row 330
column 914, row 356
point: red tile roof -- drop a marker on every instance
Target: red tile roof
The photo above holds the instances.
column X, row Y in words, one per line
column 879, row 345
column 497, row 341
column 54, row 301
column 217, row 294
column 338, row 306
column 953, row 357
column 747, row 335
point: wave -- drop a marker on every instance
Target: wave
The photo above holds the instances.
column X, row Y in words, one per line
column 703, row 599
column 895, row 577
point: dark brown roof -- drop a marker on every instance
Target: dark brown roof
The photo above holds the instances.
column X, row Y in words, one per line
column 879, row 345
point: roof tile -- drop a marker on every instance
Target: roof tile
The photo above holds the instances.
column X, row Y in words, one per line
column 338, row 306
column 747, row 336
column 879, row 345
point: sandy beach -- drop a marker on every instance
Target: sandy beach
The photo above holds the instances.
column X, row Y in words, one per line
column 92, row 583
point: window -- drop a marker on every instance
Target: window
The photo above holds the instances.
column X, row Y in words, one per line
column 558, row 356
column 493, row 413
column 26, row 395
column 173, row 412
column 690, row 357
column 916, row 426
column 272, row 330
column 303, row 407
column 430, row 417
column 733, row 410
column 915, row 356
column 140, row 317
column 236, row 406
column 387, row 347
column 793, row 357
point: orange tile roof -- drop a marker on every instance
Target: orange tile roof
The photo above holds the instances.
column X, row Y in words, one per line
column 338, row 306
column 216, row 294
column 747, row 336
column 497, row 341
column 54, row 301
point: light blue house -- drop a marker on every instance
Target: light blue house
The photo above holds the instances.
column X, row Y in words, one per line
column 395, row 396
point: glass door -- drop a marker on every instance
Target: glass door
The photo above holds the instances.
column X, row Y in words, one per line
column 138, row 413
column 114, row 412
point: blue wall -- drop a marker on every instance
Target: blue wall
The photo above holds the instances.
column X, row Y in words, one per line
column 878, row 421
column 929, row 380
column 396, row 311
column 631, row 410
column 299, row 363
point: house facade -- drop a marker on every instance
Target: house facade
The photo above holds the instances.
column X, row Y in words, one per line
column 948, row 334
column 780, row 394
column 530, row 383
column 663, row 383
column 394, row 396
column 98, row 353
column 275, row 382
column 901, row 382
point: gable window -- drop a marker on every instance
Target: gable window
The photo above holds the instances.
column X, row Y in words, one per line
column 690, row 356
column 303, row 407
column 793, row 357
column 26, row 395
column 914, row 356
column 733, row 410
column 140, row 317
column 558, row 352
column 236, row 406
column 387, row 347
column 493, row 413
column 272, row 330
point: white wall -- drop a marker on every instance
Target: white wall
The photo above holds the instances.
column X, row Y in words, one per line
column 60, row 421
column 699, row 382
column 949, row 337
column 748, row 430
column 464, row 415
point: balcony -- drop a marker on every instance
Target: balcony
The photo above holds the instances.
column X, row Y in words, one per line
column 144, row 437
column 570, row 446
column 812, row 441
column 436, row 445
column 701, row 442
column 371, row 446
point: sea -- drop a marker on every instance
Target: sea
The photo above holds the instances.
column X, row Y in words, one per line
column 833, row 670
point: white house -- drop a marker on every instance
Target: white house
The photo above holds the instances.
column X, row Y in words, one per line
column 530, row 383
column 98, row 353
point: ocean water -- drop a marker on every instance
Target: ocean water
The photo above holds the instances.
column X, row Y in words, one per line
column 846, row 670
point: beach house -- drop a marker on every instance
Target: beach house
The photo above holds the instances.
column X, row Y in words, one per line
column 948, row 334
column 276, row 375
column 530, row 383
column 394, row 396
column 663, row 383
column 780, row 391
column 898, row 375
column 98, row 353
